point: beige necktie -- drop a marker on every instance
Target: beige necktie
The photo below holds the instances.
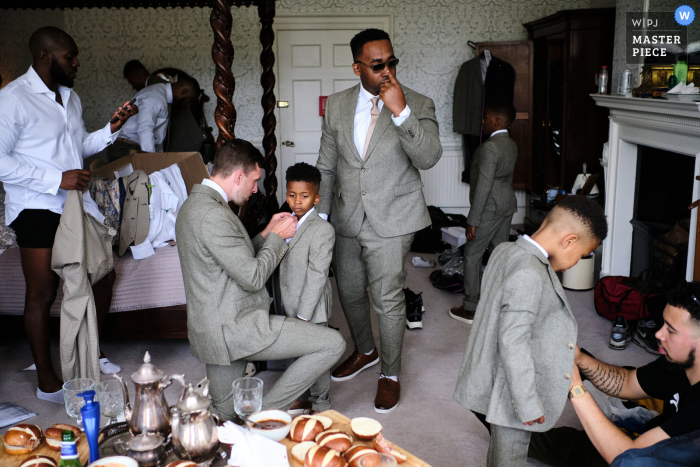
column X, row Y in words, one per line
column 372, row 122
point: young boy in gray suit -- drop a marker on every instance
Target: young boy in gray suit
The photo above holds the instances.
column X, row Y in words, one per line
column 491, row 199
column 301, row 286
column 516, row 371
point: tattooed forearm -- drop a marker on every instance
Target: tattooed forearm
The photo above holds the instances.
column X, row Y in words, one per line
column 607, row 378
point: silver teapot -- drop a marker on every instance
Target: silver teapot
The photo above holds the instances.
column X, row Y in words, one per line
column 150, row 413
column 147, row 449
column 194, row 432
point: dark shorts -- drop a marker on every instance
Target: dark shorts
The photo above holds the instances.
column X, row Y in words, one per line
column 36, row 228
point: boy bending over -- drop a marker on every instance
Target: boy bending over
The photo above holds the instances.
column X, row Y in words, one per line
column 516, row 370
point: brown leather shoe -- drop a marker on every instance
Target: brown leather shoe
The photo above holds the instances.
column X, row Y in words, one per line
column 388, row 394
column 355, row 363
column 460, row 314
column 301, row 408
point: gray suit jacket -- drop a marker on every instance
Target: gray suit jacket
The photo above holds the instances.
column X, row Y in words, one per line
column 468, row 98
column 228, row 307
column 520, row 353
column 301, row 281
column 491, row 179
column 386, row 185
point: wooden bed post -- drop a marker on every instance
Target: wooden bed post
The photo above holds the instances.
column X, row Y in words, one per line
column 266, row 12
column 224, row 83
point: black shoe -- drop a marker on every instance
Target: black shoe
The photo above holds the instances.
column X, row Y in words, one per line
column 619, row 334
column 414, row 307
column 645, row 337
column 414, row 299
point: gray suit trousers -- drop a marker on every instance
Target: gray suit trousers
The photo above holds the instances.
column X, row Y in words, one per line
column 489, row 232
column 507, row 447
column 316, row 349
column 369, row 260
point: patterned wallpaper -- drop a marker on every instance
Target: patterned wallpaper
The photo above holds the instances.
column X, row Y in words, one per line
column 430, row 37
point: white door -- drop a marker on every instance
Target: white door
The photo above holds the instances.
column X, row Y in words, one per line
column 312, row 63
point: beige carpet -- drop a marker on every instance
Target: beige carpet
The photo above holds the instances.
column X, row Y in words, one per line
column 428, row 423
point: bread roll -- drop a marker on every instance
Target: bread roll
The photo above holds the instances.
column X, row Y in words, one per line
column 355, row 453
column 182, row 463
column 39, row 461
column 382, row 445
column 335, row 439
column 305, row 429
column 322, row 456
column 299, row 450
column 327, row 422
column 365, row 428
column 55, row 433
column 22, row 439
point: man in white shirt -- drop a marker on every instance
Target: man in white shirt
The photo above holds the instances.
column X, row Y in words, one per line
column 148, row 130
column 376, row 136
column 42, row 145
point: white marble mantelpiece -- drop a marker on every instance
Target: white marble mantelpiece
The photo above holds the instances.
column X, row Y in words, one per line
column 668, row 125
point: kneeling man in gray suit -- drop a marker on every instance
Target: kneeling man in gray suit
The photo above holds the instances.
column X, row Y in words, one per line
column 228, row 306
column 516, row 370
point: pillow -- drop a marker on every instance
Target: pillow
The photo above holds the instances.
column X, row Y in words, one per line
column 7, row 235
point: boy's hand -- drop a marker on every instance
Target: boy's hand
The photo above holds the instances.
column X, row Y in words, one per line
column 471, row 232
column 539, row 421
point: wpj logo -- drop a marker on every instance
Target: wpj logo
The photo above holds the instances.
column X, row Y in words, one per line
column 657, row 34
column 684, row 15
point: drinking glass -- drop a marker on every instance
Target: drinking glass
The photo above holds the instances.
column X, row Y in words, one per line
column 111, row 399
column 247, row 396
column 385, row 460
column 71, row 389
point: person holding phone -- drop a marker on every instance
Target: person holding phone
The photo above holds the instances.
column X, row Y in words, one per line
column 43, row 142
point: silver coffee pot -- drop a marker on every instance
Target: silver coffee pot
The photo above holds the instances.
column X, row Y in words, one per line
column 194, row 432
column 150, row 413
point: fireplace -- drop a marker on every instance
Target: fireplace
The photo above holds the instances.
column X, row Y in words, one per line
column 652, row 125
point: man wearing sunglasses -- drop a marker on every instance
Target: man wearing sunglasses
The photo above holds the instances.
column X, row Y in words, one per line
column 376, row 137
column 673, row 378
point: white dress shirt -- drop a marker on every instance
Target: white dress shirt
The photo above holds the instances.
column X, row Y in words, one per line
column 539, row 247
column 301, row 221
column 149, row 126
column 39, row 140
column 363, row 115
column 497, row 132
column 215, row 186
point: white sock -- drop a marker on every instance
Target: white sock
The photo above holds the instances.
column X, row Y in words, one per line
column 419, row 262
column 56, row 397
column 370, row 352
column 393, row 378
column 109, row 368
column 30, row 368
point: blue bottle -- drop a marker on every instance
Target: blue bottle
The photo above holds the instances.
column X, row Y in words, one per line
column 91, row 421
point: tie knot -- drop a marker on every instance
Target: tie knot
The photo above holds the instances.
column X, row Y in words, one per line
column 375, row 101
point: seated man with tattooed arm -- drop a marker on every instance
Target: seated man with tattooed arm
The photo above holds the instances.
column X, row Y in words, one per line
column 673, row 378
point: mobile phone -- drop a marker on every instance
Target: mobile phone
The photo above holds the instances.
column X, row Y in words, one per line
column 131, row 102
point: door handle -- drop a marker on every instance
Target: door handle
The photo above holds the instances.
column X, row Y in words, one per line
column 289, row 144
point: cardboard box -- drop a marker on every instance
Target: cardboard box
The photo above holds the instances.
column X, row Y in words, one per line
column 190, row 163
column 455, row 236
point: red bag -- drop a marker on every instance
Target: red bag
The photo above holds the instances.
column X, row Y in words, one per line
column 613, row 297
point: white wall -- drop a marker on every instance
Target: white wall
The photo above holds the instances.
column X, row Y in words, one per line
column 430, row 38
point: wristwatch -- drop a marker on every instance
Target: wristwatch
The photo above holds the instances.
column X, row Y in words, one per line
column 577, row 391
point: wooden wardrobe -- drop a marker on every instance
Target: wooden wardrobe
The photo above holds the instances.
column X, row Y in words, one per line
column 568, row 129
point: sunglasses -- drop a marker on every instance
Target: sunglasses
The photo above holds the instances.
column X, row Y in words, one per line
column 379, row 67
column 684, row 292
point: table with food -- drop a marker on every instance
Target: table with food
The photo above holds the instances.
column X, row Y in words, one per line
column 189, row 435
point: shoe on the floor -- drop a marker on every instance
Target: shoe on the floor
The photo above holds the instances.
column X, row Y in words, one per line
column 460, row 314
column 354, row 365
column 109, row 368
column 414, row 319
column 415, row 299
column 619, row 334
column 301, row 408
column 388, row 395
column 645, row 337
column 56, row 397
